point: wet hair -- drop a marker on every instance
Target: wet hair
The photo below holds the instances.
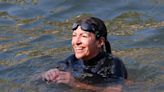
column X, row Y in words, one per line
column 96, row 26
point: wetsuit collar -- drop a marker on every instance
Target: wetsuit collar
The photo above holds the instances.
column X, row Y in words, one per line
column 94, row 60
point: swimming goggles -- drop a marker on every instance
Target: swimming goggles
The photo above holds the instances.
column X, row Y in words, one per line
column 87, row 27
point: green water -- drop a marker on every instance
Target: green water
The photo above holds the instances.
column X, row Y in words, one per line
column 34, row 34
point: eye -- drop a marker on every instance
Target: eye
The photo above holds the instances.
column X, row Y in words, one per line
column 73, row 35
column 85, row 35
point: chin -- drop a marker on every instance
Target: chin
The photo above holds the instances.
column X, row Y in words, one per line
column 78, row 56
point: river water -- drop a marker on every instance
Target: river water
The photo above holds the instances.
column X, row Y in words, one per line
column 34, row 34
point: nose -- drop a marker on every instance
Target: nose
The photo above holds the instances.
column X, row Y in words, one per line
column 77, row 40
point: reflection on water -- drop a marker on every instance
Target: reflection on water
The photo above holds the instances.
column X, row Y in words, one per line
column 34, row 34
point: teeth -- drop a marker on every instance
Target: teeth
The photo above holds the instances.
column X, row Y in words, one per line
column 78, row 48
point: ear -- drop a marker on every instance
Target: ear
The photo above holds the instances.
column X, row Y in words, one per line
column 101, row 41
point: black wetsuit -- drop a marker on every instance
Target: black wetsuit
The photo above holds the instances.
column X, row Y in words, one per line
column 103, row 68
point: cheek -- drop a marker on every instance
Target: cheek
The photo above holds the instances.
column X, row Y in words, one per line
column 86, row 43
column 73, row 42
column 91, row 45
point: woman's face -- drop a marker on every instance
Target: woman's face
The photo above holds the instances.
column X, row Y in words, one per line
column 84, row 44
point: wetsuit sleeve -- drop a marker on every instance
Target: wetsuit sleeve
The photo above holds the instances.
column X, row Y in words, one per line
column 62, row 65
column 118, row 69
column 65, row 64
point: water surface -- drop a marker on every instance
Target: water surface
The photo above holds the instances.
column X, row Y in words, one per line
column 34, row 34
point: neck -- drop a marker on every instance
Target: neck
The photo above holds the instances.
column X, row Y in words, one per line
column 94, row 60
column 94, row 55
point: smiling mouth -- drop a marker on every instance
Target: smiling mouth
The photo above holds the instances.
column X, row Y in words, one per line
column 79, row 49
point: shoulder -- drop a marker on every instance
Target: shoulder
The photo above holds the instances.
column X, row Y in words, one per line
column 64, row 64
column 117, row 61
column 118, row 67
column 71, row 58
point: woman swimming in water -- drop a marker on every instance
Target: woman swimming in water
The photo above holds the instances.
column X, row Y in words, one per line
column 92, row 63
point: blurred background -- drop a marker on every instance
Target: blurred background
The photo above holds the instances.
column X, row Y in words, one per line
column 34, row 34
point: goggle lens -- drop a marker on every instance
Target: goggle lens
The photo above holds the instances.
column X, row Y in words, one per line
column 84, row 26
